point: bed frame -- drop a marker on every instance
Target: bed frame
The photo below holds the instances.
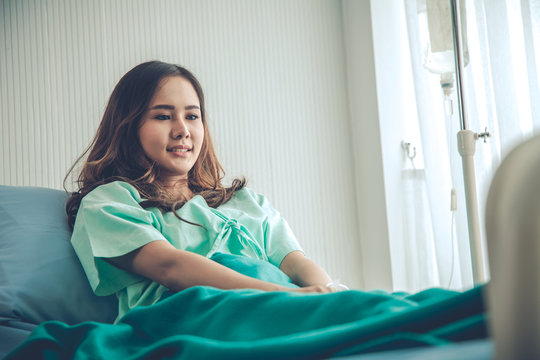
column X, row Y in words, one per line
column 513, row 234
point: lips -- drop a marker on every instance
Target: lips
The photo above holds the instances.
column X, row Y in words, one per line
column 179, row 148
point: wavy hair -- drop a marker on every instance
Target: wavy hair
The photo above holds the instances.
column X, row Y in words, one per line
column 115, row 153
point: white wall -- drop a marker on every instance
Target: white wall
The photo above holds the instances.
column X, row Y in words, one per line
column 276, row 88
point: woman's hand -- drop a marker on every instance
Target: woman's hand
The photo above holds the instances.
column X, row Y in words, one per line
column 307, row 274
column 321, row 289
column 304, row 272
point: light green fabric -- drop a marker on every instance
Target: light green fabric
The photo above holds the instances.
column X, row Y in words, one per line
column 110, row 223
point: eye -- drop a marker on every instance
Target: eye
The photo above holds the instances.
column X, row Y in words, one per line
column 192, row 117
column 162, row 117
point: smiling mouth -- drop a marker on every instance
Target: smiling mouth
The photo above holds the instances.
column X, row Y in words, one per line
column 178, row 150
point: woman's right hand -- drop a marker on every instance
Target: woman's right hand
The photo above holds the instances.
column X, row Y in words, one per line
column 321, row 289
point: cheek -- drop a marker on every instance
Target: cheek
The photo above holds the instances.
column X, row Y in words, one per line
column 199, row 135
column 143, row 139
column 148, row 144
column 149, row 138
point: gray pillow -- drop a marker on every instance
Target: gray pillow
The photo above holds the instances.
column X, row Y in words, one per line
column 40, row 276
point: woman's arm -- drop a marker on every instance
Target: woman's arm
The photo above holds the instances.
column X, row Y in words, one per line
column 179, row 269
column 303, row 271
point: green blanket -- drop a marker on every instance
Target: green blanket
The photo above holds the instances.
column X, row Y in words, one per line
column 208, row 323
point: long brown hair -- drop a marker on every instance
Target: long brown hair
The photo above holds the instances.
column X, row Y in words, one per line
column 116, row 153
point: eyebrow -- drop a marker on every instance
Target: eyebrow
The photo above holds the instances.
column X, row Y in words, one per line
column 170, row 107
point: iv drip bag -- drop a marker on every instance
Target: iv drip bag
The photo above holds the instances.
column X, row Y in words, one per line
column 435, row 22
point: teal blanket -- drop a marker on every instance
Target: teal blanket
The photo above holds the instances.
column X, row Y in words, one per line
column 209, row 323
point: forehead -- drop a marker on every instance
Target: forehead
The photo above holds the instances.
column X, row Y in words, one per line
column 175, row 90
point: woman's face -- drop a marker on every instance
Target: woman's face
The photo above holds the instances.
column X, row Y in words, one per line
column 172, row 131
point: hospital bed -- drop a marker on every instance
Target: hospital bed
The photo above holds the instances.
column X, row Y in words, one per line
column 41, row 279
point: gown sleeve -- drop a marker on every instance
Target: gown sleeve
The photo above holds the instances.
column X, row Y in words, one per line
column 279, row 239
column 111, row 223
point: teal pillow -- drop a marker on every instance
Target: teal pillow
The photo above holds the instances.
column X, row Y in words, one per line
column 255, row 268
column 40, row 276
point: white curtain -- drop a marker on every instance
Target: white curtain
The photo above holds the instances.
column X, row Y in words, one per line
column 502, row 94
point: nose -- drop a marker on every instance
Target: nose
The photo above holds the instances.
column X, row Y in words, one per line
column 179, row 129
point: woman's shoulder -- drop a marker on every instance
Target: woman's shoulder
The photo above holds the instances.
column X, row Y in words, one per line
column 249, row 196
column 246, row 193
column 114, row 191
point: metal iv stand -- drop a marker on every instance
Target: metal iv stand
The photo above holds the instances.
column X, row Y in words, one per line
column 467, row 147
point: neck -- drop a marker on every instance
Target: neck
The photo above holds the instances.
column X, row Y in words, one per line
column 179, row 188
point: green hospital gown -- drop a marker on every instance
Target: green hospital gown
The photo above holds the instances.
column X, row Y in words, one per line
column 110, row 223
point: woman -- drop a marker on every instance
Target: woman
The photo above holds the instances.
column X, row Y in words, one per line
column 151, row 209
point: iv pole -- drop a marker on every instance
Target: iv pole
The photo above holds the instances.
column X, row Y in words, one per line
column 467, row 147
